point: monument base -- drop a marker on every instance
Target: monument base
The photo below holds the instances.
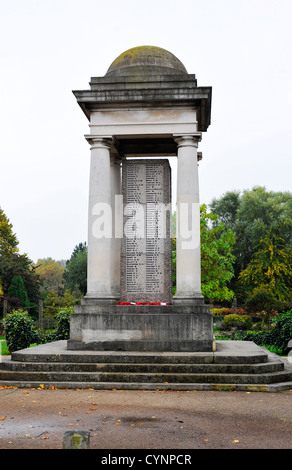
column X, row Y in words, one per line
column 96, row 327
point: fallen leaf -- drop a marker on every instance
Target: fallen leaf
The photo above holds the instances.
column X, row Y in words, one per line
column 235, row 441
column 45, row 437
column 70, row 424
column 2, row 418
column 117, row 424
column 93, row 409
column 206, row 440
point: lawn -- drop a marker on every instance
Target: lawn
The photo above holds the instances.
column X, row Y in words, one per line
column 3, row 347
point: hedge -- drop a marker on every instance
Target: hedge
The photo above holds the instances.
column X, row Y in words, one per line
column 279, row 336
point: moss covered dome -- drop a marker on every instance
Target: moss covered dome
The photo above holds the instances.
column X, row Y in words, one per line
column 145, row 61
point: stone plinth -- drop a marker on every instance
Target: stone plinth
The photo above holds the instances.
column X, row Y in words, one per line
column 141, row 328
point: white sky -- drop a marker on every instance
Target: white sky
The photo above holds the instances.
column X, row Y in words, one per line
column 242, row 48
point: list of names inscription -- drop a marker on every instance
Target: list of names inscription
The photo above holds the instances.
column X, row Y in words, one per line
column 146, row 271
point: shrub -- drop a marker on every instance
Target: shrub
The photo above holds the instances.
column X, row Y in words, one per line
column 63, row 325
column 19, row 332
column 221, row 311
column 279, row 336
column 261, row 300
column 63, row 319
column 240, row 321
column 283, row 331
column 227, row 311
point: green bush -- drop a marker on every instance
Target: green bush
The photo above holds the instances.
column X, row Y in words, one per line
column 279, row 336
column 227, row 311
column 63, row 326
column 239, row 321
column 262, row 300
column 283, row 331
column 221, row 311
column 19, row 331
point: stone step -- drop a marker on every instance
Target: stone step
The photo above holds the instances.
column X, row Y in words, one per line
column 142, row 367
column 150, row 377
column 246, row 352
column 235, row 365
column 273, row 387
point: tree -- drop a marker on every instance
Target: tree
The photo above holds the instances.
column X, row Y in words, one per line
column 8, row 239
column 226, row 208
column 75, row 274
column 51, row 274
column 216, row 257
column 17, row 289
column 269, row 269
column 13, row 263
column 262, row 224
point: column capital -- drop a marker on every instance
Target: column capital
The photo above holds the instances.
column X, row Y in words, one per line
column 188, row 140
column 99, row 142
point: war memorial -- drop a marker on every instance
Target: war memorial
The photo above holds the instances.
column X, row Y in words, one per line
column 130, row 331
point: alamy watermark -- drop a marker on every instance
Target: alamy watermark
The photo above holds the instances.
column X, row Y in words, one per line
column 149, row 220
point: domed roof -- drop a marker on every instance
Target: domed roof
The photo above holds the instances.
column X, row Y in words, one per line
column 146, row 61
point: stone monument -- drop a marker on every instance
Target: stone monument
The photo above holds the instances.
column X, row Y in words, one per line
column 147, row 107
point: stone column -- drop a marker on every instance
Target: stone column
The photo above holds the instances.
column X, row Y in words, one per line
column 117, row 223
column 188, row 256
column 102, row 276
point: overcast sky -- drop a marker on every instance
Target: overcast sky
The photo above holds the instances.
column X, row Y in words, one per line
column 242, row 48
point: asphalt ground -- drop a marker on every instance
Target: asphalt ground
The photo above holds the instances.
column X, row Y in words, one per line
column 146, row 420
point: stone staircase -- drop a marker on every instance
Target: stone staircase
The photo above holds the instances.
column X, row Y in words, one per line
column 235, row 365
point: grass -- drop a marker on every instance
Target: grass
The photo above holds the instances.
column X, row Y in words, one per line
column 3, row 348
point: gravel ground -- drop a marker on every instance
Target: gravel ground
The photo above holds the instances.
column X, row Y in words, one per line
column 38, row 419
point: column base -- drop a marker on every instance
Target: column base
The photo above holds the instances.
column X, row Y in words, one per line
column 195, row 298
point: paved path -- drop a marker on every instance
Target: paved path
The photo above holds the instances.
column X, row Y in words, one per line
column 38, row 419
